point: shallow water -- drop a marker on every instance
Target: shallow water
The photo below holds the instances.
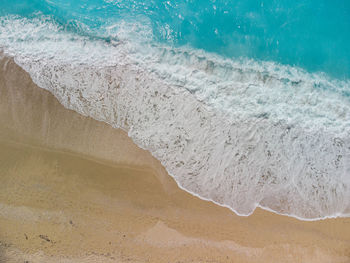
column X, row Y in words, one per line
column 309, row 34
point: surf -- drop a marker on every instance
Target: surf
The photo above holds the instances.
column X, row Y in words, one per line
column 238, row 131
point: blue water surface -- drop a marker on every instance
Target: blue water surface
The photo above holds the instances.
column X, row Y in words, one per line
column 314, row 35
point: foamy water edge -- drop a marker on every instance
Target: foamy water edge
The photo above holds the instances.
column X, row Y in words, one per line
column 208, row 127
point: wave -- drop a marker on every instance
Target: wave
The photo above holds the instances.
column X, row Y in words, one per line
column 241, row 133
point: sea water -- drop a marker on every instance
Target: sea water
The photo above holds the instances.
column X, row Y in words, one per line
column 245, row 103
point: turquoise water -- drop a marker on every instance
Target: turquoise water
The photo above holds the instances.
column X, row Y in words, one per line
column 314, row 35
column 245, row 103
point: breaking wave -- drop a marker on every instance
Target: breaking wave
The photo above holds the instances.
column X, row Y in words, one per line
column 242, row 133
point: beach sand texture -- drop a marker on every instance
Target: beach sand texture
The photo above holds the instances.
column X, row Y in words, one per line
column 73, row 189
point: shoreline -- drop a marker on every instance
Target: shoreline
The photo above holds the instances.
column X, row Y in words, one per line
column 108, row 187
column 338, row 215
column 198, row 143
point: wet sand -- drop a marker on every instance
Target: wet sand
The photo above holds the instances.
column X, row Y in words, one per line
column 73, row 189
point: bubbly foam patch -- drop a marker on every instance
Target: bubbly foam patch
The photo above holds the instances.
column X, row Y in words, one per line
column 240, row 133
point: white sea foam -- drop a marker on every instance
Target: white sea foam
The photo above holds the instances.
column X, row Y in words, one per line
column 238, row 132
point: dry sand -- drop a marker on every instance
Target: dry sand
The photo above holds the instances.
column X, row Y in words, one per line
column 73, row 189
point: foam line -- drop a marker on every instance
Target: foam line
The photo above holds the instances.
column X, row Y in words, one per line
column 240, row 133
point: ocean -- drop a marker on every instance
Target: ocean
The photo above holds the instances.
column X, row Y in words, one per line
column 245, row 103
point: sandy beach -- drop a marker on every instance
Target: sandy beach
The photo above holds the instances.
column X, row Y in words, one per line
column 73, row 189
